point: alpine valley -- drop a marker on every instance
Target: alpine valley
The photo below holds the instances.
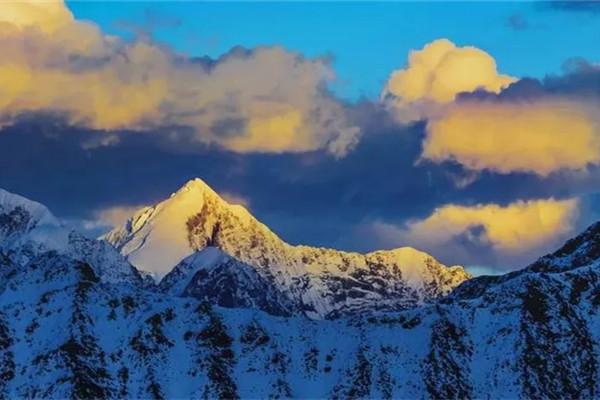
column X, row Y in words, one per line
column 193, row 297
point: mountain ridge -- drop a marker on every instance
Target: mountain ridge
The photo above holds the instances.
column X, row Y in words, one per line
column 325, row 281
column 28, row 229
column 66, row 331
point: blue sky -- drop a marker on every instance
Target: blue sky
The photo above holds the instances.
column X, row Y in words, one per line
column 366, row 42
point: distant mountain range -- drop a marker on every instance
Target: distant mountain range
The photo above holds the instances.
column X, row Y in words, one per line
column 237, row 312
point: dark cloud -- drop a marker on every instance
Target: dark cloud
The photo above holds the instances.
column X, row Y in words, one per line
column 229, row 127
column 580, row 80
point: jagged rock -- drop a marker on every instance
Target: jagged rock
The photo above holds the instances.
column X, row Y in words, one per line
column 213, row 276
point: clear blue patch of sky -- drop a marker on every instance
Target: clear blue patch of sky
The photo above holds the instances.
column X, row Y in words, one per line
column 478, row 270
column 367, row 40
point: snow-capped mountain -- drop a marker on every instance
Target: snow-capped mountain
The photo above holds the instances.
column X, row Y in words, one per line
column 322, row 282
column 65, row 332
column 28, row 229
column 21, row 216
column 214, row 276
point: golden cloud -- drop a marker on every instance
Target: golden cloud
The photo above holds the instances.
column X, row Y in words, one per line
column 46, row 15
column 274, row 133
column 268, row 99
column 437, row 73
column 516, row 228
column 540, row 137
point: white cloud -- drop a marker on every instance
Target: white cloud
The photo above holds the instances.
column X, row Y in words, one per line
column 434, row 76
column 116, row 216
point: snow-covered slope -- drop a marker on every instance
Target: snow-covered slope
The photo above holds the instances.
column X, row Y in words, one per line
column 28, row 229
column 66, row 334
column 214, row 276
column 66, row 331
column 21, row 215
column 326, row 282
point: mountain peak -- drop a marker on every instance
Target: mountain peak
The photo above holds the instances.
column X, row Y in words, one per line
column 156, row 238
column 162, row 230
column 29, row 230
column 37, row 212
column 193, row 191
column 198, row 192
column 325, row 280
column 23, row 220
column 195, row 186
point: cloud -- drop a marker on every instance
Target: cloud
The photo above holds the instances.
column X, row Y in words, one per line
column 540, row 136
column 517, row 227
column 46, row 15
column 436, row 74
column 116, row 216
column 54, row 64
column 499, row 237
column 486, row 121
column 580, row 80
column 235, row 199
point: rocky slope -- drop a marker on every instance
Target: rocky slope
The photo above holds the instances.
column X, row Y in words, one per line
column 213, row 276
column 322, row 282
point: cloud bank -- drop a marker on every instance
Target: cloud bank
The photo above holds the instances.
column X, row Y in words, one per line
column 262, row 100
column 487, row 121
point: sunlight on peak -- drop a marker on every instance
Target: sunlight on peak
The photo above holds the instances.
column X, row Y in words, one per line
column 194, row 184
column 198, row 187
column 164, row 227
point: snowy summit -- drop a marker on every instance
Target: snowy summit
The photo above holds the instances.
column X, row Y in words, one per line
column 322, row 282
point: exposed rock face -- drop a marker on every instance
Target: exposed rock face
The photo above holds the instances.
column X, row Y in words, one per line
column 216, row 277
column 324, row 283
